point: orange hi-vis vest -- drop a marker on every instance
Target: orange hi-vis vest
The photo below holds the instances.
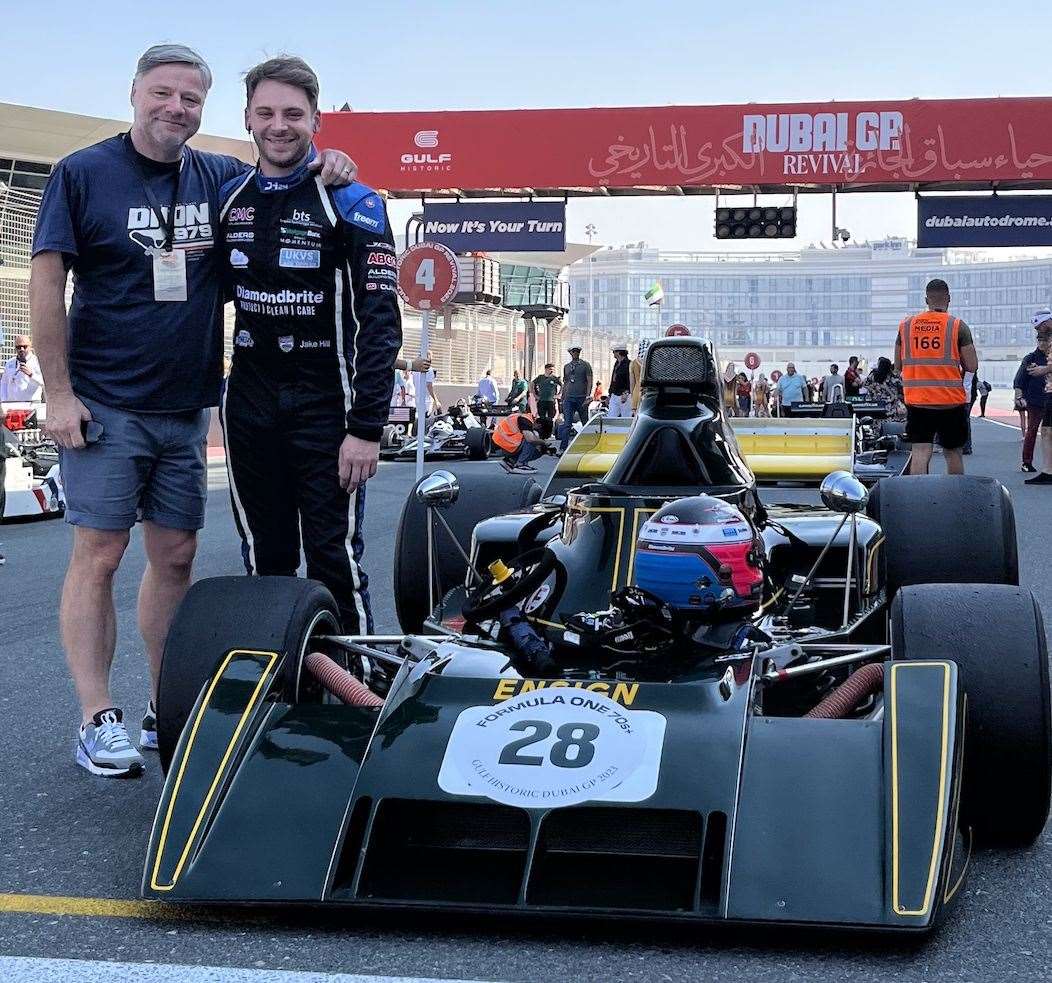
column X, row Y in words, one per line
column 931, row 360
column 507, row 435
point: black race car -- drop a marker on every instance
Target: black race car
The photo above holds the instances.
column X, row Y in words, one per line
column 818, row 729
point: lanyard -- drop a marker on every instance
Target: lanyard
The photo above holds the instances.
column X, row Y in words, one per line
column 165, row 221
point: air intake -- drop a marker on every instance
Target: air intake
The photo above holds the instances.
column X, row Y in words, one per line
column 597, row 857
column 678, row 362
column 445, row 851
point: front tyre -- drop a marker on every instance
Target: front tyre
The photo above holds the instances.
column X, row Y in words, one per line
column 223, row 614
column 996, row 636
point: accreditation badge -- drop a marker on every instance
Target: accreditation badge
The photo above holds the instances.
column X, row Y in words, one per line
column 169, row 275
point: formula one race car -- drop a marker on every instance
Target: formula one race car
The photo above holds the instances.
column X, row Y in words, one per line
column 653, row 695
column 456, row 434
column 30, row 482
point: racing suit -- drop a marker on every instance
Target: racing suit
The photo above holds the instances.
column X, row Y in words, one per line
column 312, row 275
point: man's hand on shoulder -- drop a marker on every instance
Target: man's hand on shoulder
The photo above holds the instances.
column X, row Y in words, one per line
column 65, row 416
column 334, row 168
column 357, row 461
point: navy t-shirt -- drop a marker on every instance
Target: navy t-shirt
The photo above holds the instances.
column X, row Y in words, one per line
column 126, row 349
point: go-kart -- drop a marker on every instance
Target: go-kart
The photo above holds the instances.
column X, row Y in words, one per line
column 547, row 738
column 456, row 434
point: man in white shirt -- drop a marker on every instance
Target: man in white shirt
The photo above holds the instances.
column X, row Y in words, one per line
column 22, row 381
column 488, row 388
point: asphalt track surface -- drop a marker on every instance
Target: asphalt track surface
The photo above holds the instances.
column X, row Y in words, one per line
column 66, row 836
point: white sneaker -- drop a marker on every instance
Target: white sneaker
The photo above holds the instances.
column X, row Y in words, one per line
column 103, row 746
column 148, row 733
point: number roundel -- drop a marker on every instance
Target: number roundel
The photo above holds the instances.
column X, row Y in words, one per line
column 427, row 276
column 554, row 747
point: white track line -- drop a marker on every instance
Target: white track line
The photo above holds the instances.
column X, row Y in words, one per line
column 998, row 423
column 18, row 969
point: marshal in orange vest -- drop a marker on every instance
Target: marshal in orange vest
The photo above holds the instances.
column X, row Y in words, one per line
column 929, row 345
column 507, row 435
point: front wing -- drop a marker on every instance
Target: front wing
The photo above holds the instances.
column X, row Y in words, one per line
column 746, row 819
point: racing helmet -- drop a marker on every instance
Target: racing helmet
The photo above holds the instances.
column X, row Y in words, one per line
column 700, row 555
column 442, row 428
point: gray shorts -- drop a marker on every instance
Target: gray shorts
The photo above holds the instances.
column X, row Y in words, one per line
column 145, row 466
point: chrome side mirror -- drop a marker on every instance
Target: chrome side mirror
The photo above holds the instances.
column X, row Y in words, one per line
column 841, row 491
column 438, row 490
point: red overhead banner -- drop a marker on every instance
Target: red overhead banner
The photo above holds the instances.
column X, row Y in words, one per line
column 914, row 141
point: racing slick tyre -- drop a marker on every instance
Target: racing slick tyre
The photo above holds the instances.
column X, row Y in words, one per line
column 530, row 494
column 479, row 443
column 486, row 496
column 996, row 636
column 267, row 614
column 945, row 529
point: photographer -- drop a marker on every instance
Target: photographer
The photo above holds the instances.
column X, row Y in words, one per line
column 22, row 381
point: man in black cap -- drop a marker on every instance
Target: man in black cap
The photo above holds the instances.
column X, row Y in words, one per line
column 577, row 391
column 620, row 384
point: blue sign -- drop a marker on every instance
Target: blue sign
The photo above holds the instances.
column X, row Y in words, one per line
column 1005, row 220
column 519, row 227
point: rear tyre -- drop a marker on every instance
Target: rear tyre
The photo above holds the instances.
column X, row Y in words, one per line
column 996, row 636
column 486, row 495
column 478, row 443
column 220, row 614
column 945, row 529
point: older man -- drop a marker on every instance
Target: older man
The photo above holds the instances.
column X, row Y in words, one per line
column 792, row 387
column 137, row 363
column 22, row 381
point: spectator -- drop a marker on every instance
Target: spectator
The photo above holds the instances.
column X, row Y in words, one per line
column 744, row 391
column 984, row 394
column 518, row 394
column 730, row 389
column 635, row 371
column 576, row 391
column 792, row 387
column 433, row 406
column 852, row 378
column 833, row 386
column 885, row 386
column 597, row 393
column 488, row 388
column 517, row 436
column 1030, row 391
column 620, row 384
column 546, row 391
column 761, row 397
column 934, row 351
column 972, row 397
column 22, row 381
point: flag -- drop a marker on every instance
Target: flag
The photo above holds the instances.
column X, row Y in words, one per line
column 655, row 295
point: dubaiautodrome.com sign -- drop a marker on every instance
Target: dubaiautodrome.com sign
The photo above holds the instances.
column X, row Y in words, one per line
column 1005, row 220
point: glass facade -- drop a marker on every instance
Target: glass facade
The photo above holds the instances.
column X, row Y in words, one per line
column 850, row 298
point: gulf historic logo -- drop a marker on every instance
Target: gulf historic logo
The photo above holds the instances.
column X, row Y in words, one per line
column 422, row 160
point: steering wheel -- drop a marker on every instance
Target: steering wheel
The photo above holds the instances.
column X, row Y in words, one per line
column 505, row 584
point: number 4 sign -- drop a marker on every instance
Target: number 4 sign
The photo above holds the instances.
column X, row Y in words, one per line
column 554, row 747
column 427, row 276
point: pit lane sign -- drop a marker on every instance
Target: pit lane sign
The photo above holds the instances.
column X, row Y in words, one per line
column 427, row 276
column 552, row 748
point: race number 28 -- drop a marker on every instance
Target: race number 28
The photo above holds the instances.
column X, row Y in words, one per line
column 574, row 747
